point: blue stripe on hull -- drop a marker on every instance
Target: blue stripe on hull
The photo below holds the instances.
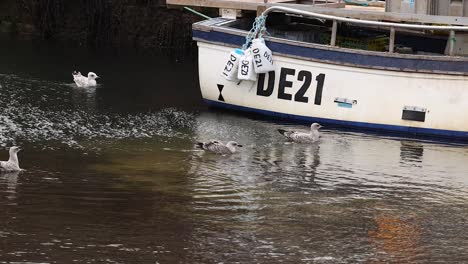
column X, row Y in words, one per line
column 455, row 135
column 334, row 56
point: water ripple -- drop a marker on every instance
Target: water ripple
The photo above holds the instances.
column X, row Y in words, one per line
column 53, row 119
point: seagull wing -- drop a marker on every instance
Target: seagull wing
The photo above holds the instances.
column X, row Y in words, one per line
column 75, row 73
column 216, row 147
column 6, row 166
column 80, row 80
column 286, row 133
column 301, row 137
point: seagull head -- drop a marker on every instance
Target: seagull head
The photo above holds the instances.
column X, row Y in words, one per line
column 315, row 126
column 92, row 76
column 235, row 144
column 14, row 150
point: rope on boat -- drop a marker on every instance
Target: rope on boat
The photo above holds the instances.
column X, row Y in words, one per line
column 258, row 30
column 254, row 57
column 196, row 12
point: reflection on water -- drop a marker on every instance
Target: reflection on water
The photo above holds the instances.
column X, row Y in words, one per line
column 112, row 176
column 398, row 236
column 84, row 99
column 9, row 180
column 411, row 152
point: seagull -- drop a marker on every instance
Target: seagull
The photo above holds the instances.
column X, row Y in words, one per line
column 12, row 164
column 218, row 147
column 302, row 137
column 82, row 81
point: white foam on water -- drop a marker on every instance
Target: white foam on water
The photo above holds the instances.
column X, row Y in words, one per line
column 48, row 118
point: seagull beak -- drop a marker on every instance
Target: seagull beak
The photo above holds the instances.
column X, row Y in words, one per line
column 97, row 77
column 239, row 145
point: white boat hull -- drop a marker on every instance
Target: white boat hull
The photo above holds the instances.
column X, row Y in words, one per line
column 362, row 97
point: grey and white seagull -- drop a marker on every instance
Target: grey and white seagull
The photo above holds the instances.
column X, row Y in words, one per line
column 216, row 146
column 303, row 137
column 82, row 81
column 12, row 164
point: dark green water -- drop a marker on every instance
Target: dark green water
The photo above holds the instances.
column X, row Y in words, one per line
column 112, row 177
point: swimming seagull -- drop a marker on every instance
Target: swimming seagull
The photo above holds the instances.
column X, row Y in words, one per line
column 302, row 137
column 82, row 81
column 218, row 147
column 12, row 164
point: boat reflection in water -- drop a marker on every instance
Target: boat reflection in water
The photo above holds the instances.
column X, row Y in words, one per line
column 411, row 152
column 276, row 197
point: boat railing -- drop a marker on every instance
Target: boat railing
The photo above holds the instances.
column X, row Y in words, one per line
column 391, row 25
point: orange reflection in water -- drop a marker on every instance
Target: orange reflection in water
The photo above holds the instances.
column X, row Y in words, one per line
column 396, row 236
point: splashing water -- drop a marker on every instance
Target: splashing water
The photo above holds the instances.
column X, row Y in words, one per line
column 57, row 112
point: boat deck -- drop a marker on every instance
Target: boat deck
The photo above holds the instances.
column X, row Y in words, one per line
column 252, row 5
